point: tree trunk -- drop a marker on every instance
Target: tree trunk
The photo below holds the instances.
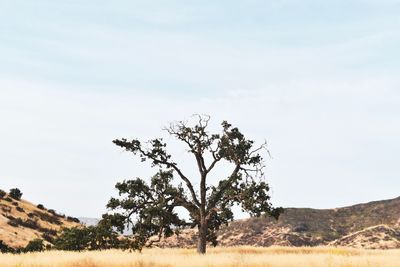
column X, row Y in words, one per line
column 202, row 239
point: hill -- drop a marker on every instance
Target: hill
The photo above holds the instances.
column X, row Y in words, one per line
column 22, row 221
column 347, row 226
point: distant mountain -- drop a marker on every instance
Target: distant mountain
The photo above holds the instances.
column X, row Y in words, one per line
column 367, row 225
column 22, row 221
column 89, row 221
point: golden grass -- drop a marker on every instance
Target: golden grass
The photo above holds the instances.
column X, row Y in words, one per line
column 216, row 257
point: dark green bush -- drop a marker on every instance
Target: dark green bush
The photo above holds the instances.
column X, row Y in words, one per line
column 15, row 193
column 2, row 194
column 20, row 209
column 40, row 206
column 35, row 245
column 4, row 248
column 73, row 219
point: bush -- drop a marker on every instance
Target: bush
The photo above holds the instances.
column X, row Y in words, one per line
column 15, row 193
column 35, row 245
column 2, row 194
column 20, row 209
column 29, row 224
column 52, row 212
column 73, row 219
column 48, row 237
column 75, row 239
column 40, row 206
column 4, row 248
column 8, row 199
column 47, row 217
column 13, row 223
column 97, row 237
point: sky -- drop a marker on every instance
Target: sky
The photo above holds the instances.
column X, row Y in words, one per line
column 319, row 80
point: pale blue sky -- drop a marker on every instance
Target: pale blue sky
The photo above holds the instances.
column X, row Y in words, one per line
column 318, row 79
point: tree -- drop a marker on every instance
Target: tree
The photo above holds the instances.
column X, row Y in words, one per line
column 15, row 193
column 151, row 208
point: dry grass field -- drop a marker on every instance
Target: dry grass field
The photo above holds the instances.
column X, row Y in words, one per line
column 221, row 257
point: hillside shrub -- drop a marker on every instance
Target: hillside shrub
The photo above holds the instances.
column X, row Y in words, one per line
column 48, row 217
column 46, row 236
column 13, row 223
column 35, row 245
column 20, row 209
column 15, row 193
column 2, row 194
column 4, row 248
column 73, row 219
column 8, row 199
column 52, row 211
column 40, row 206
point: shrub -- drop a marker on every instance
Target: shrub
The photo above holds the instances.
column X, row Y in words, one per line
column 2, row 194
column 4, row 248
column 73, row 219
column 8, row 199
column 15, row 203
column 52, row 211
column 20, row 209
column 40, row 206
column 15, row 193
column 34, row 246
column 75, row 239
column 48, row 237
column 29, row 224
column 13, row 223
column 48, row 218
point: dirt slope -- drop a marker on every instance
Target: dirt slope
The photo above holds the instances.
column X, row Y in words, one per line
column 22, row 221
column 369, row 225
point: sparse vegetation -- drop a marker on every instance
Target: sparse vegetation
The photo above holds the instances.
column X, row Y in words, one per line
column 41, row 207
column 15, row 193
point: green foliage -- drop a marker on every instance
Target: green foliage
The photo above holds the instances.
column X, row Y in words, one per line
column 40, row 206
column 2, row 193
column 15, row 193
column 35, row 245
column 150, row 208
column 75, row 239
column 4, row 248
column 97, row 237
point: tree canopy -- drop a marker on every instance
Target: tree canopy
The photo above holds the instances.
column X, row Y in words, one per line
column 151, row 207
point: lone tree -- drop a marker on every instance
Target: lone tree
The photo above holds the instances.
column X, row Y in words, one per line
column 151, row 208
